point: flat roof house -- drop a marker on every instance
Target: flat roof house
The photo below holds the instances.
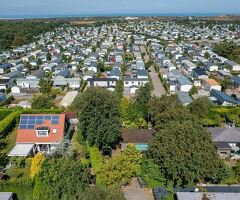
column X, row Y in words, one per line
column 38, row 132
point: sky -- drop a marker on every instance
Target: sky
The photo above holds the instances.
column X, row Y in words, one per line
column 84, row 7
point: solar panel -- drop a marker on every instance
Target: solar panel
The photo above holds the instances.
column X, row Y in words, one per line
column 30, row 127
column 23, row 121
column 23, row 126
column 40, row 117
column 24, row 117
column 31, row 121
column 47, row 117
column 39, row 121
column 55, row 117
column 32, row 117
column 55, row 121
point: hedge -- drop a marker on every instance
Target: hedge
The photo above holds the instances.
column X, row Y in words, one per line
column 8, row 123
column 96, row 158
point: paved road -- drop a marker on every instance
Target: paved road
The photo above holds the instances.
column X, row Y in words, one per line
column 134, row 192
column 158, row 88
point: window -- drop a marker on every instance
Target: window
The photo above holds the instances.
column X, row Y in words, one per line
column 54, row 130
column 42, row 133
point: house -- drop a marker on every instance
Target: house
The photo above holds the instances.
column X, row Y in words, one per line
column 4, row 68
column 222, row 74
column 221, row 98
column 210, row 84
column 73, row 83
column 183, row 84
column 92, row 67
column 132, row 84
column 207, row 195
column 236, row 82
column 184, row 98
column 139, row 137
column 18, row 67
column 5, row 83
column 234, row 66
column 142, row 73
column 3, row 97
column 226, row 139
column 198, row 73
column 102, row 82
column 88, row 74
column 49, row 67
column 211, row 67
column 39, row 133
column 213, row 192
column 115, row 73
column 188, row 65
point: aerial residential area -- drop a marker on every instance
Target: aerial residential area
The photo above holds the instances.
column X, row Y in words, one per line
column 122, row 107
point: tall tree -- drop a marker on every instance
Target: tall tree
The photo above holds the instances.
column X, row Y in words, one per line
column 99, row 117
column 143, row 96
column 185, row 153
column 62, row 178
column 45, row 86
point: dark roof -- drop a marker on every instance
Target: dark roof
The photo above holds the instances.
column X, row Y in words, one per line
column 236, row 79
column 199, row 71
column 225, row 134
column 223, row 145
column 222, row 96
column 137, row 135
column 4, row 80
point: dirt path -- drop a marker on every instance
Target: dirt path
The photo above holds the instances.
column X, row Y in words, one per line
column 134, row 192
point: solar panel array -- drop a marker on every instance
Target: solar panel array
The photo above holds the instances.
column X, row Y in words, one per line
column 29, row 121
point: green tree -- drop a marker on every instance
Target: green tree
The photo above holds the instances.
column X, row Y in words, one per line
column 200, row 106
column 185, row 153
column 225, row 83
column 45, row 86
column 159, row 105
column 62, row 178
column 120, row 169
column 119, row 89
column 206, row 55
column 142, row 99
column 99, row 117
column 41, row 101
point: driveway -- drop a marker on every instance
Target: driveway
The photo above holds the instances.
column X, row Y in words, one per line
column 134, row 192
column 158, row 88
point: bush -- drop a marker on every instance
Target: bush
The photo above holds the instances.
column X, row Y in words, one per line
column 18, row 161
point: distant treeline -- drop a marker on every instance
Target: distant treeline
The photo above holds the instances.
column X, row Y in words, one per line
column 17, row 33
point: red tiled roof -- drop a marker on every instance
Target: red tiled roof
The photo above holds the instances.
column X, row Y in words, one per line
column 30, row 136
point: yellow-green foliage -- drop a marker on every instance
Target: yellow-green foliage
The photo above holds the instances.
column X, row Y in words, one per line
column 36, row 164
column 120, row 169
column 96, row 158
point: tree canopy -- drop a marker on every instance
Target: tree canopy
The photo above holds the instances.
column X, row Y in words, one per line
column 61, row 178
column 185, row 153
column 120, row 169
column 99, row 117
